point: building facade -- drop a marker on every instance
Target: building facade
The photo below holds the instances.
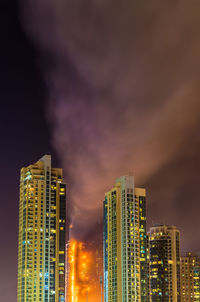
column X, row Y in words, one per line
column 164, row 245
column 41, row 242
column 190, row 278
column 125, row 243
column 84, row 271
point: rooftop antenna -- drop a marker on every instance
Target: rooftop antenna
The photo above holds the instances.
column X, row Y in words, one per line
column 130, row 172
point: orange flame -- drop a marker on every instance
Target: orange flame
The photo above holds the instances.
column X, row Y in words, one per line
column 82, row 273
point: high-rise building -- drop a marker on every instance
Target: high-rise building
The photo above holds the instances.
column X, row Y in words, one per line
column 125, row 243
column 190, row 278
column 84, row 272
column 164, row 244
column 41, row 243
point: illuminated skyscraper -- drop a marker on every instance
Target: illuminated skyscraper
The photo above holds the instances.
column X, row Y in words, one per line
column 190, row 278
column 84, row 269
column 164, row 264
column 41, row 244
column 125, row 243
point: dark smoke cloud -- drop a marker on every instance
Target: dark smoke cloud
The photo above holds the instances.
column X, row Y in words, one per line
column 124, row 98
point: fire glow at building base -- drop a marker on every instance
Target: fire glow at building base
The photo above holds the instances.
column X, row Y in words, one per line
column 84, row 270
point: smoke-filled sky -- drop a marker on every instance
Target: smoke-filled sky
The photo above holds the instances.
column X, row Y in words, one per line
column 114, row 86
column 123, row 80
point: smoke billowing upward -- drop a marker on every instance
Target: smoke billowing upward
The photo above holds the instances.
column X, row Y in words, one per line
column 124, row 98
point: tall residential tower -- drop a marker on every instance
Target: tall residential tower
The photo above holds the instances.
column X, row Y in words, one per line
column 190, row 278
column 164, row 244
column 41, row 243
column 125, row 243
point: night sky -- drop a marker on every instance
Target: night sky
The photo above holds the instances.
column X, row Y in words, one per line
column 107, row 89
column 24, row 133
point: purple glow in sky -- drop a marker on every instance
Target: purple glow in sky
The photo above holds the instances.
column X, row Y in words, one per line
column 124, row 94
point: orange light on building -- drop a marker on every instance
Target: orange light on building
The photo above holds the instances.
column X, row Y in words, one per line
column 82, row 274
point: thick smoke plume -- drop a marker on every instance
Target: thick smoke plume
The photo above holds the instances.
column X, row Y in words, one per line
column 124, row 98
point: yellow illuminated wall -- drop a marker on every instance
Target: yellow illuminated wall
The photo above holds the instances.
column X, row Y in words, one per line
column 41, row 243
